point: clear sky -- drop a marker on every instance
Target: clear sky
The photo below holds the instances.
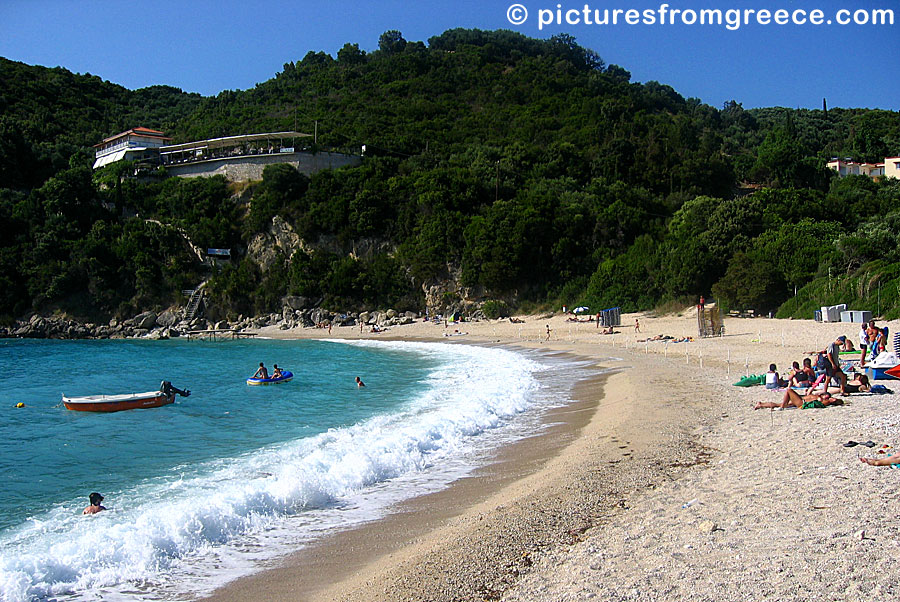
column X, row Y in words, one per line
column 208, row 46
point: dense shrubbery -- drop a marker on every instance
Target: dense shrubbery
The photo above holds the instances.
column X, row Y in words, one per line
column 528, row 168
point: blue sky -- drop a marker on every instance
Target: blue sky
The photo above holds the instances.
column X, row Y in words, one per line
column 208, row 46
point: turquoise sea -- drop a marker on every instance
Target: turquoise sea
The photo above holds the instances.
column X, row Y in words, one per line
column 220, row 483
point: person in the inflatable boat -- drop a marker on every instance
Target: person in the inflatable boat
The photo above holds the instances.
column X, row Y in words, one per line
column 262, row 372
column 276, row 371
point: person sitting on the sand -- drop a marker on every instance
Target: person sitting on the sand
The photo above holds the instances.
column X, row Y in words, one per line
column 848, row 345
column 798, row 377
column 773, row 379
column 804, row 402
column 262, row 372
column 801, row 377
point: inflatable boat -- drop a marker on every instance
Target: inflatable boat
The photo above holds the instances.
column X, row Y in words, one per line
column 285, row 377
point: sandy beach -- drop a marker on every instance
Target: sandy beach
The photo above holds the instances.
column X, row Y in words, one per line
column 659, row 483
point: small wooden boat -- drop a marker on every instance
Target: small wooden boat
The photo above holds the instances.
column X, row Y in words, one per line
column 117, row 403
column 285, row 377
column 128, row 401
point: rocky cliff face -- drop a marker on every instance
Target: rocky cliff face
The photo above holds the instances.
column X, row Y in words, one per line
column 443, row 294
column 280, row 238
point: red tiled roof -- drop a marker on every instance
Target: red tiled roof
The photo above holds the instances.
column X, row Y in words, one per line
column 140, row 131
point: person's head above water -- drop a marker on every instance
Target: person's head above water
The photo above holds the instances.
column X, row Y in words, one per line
column 95, row 498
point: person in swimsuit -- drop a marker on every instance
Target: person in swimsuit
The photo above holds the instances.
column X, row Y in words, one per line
column 95, row 506
column 886, row 461
column 798, row 376
column 359, row 382
column 805, row 402
column 860, row 384
column 262, row 372
column 276, row 371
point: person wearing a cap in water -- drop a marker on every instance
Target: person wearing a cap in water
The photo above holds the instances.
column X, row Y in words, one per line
column 95, row 506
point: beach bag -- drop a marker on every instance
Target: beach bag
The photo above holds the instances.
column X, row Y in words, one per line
column 822, row 363
column 880, row 390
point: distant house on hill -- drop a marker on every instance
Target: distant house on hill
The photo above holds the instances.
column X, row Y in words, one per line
column 237, row 158
column 136, row 144
column 892, row 167
column 847, row 167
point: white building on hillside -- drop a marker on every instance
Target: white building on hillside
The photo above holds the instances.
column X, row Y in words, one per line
column 848, row 167
column 136, row 144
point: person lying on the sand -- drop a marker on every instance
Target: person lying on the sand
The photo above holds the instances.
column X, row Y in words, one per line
column 886, row 461
column 804, row 402
column 860, row 384
column 658, row 337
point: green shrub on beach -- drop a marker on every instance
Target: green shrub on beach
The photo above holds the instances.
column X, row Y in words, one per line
column 495, row 309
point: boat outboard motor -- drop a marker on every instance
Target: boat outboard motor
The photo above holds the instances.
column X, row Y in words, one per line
column 167, row 389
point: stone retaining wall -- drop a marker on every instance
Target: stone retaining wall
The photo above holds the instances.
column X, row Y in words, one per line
column 251, row 168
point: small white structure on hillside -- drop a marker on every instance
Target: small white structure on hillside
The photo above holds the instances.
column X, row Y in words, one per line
column 136, row 144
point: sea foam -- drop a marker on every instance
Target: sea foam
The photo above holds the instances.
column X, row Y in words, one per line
column 219, row 519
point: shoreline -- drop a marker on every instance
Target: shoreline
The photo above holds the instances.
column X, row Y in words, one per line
column 715, row 502
column 491, row 528
column 348, row 556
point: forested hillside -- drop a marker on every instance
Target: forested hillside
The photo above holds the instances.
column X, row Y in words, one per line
column 497, row 167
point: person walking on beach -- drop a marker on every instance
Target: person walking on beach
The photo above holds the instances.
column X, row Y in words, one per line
column 359, row 382
column 95, row 506
column 832, row 364
column 548, row 332
column 262, row 372
column 637, row 325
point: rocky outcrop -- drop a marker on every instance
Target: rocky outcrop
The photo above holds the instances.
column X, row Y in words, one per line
column 171, row 323
column 279, row 239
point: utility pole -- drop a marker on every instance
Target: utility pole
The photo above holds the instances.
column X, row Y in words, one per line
column 497, row 183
